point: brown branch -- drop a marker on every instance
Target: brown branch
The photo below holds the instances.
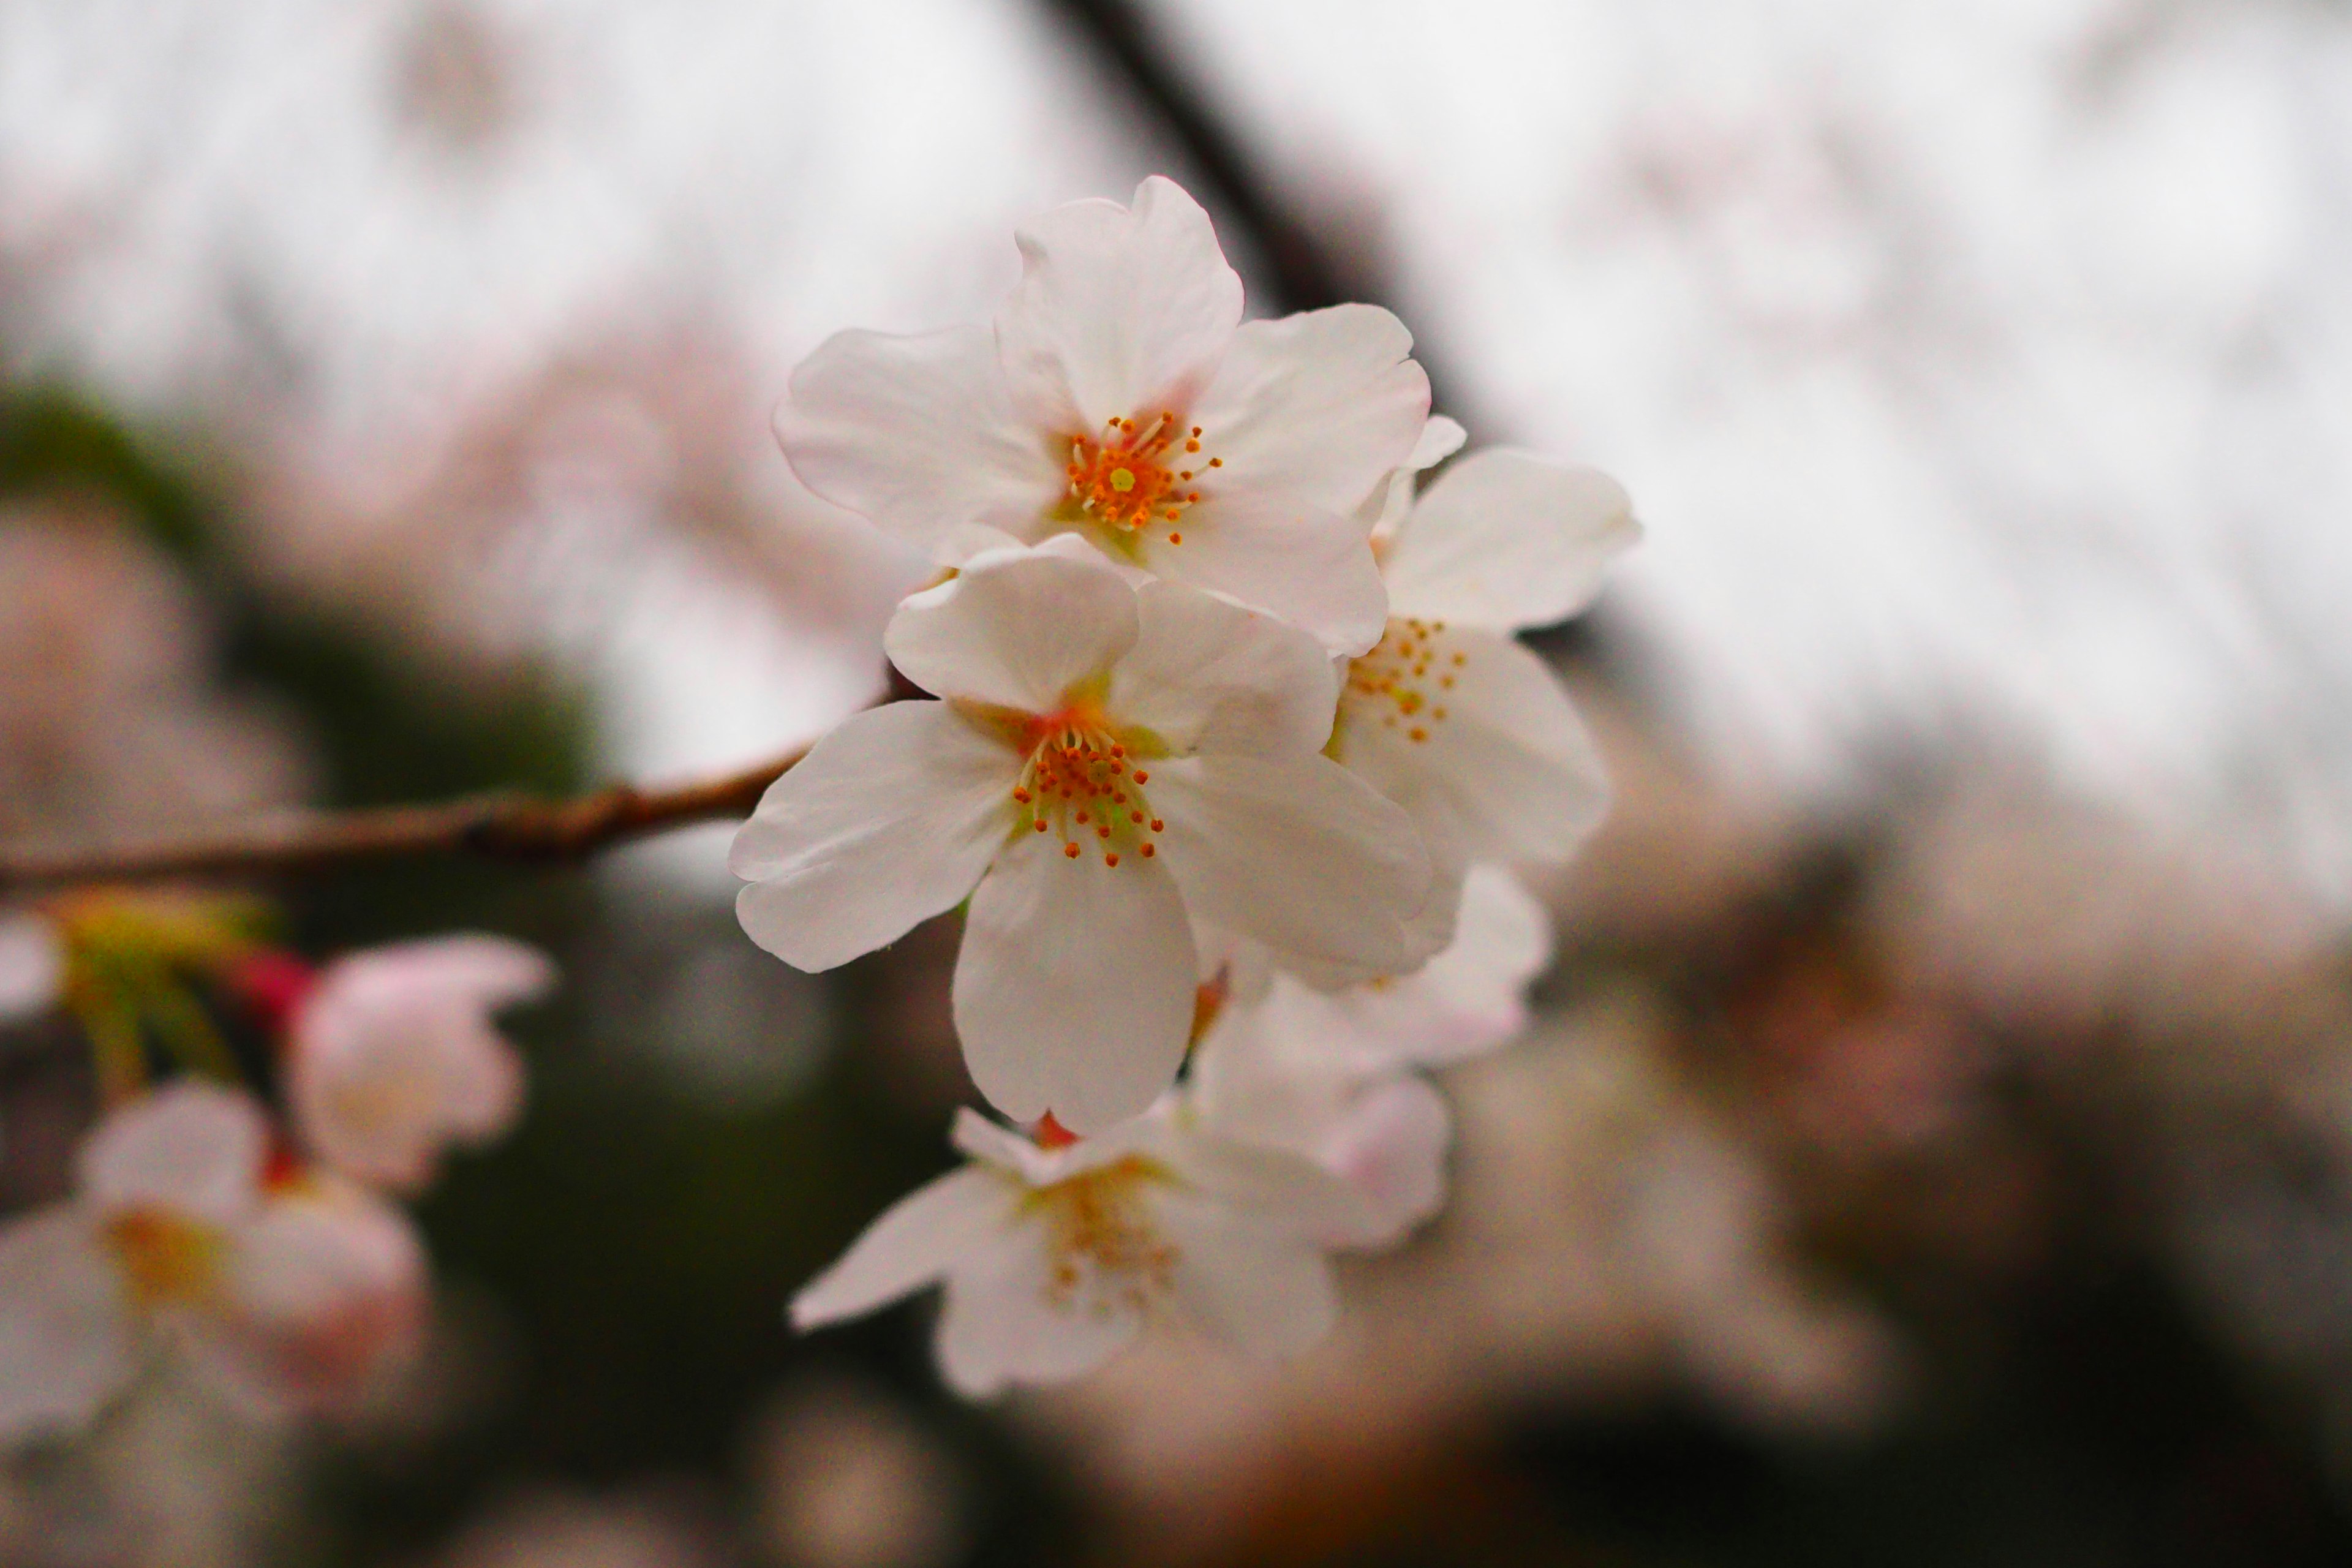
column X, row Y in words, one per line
column 504, row 827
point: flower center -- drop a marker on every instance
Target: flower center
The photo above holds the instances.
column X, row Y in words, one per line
column 1138, row 477
column 1082, row 781
column 1402, row 683
column 1100, row 1241
column 165, row 1257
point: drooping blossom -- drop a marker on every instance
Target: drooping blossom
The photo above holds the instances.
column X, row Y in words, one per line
column 1121, row 397
column 31, row 967
column 1110, row 762
column 392, row 1055
column 1447, row 715
column 1055, row 1256
column 287, row 1291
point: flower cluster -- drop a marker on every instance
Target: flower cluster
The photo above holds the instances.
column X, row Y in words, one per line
column 266, row 1252
column 1229, row 740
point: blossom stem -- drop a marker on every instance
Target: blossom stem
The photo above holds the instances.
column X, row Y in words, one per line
column 518, row 830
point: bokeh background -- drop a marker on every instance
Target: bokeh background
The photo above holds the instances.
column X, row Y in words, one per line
column 1936, row 1147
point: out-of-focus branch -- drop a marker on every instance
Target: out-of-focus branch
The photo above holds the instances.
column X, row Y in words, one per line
column 503, row 827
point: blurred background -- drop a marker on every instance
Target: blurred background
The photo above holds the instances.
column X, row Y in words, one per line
column 1935, row 1146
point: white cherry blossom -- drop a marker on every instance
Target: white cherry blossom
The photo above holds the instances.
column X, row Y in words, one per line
column 287, row 1291
column 31, row 967
column 1448, row 716
column 1054, row 1258
column 392, row 1056
column 1110, row 762
column 1122, row 397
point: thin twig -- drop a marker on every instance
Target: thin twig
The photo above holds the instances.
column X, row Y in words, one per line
column 503, row 827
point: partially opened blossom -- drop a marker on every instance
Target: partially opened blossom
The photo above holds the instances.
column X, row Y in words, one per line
column 31, row 967
column 287, row 1291
column 1450, row 717
column 1121, row 397
column 1111, row 762
column 392, row 1054
column 1055, row 1258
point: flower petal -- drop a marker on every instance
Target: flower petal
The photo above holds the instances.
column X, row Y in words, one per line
column 1016, row 630
column 1074, row 993
column 67, row 1342
column 1121, row 312
column 917, row 435
column 1316, row 407
column 193, row 1148
column 1504, row 539
column 1296, row 852
column 917, row 1241
column 1503, row 767
column 1264, row 1294
column 1204, row 669
column 1004, row 1322
column 1385, row 509
column 887, row 822
column 1390, row 1149
column 31, row 967
column 1278, row 1189
column 1311, row 567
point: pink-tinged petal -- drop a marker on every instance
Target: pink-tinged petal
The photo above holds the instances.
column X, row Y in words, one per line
column 68, row 1343
column 1296, row 852
column 192, row 1148
column 1467, row 1001
column 1206, row 672
column 1384, row 510
column 1007, row 1320
column 1504, row 540
column 31, row 967
column 1265, row 1294
column 1276, row 1188
column 325, row 1290
column 1390, row 1149
column 888, row 821
column 1016, row 630
column 1301, row 563
column 1316, row 407
column 916, row 433
column 1488, row 755
column 1073, row 992
column 916, row 1243
column 1121, row 312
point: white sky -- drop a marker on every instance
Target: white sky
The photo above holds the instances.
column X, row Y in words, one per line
column 1987, row 363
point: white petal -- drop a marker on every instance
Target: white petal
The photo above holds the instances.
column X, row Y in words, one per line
column 1015, row 630
column 1294, row 851
column 1275, row 1187
column 1120, row 312
column 31, row 967
column 326, row 1286
column 887, row 822
column 192, row 1148
column 1465, row 1001
column 1311, row 567
column 1204, row 670
column 917, row 435
column 1390, row 1149
column 1316, row 407
column 1504, row 540
column 1266, row 1295
column 67, row 1340
column 917, row 1242
column 486, row 972
column 1003, row 1324
column 1508, row 772
column 1074, row 989
column 1390, row 499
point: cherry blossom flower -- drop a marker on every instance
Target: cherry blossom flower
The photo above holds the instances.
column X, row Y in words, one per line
column 287, row 1291
column 1447, row 715
column 31, row 967
column 1110, row 762
column 1122, row 398
column 392, row 1054
column 1055, row 1256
